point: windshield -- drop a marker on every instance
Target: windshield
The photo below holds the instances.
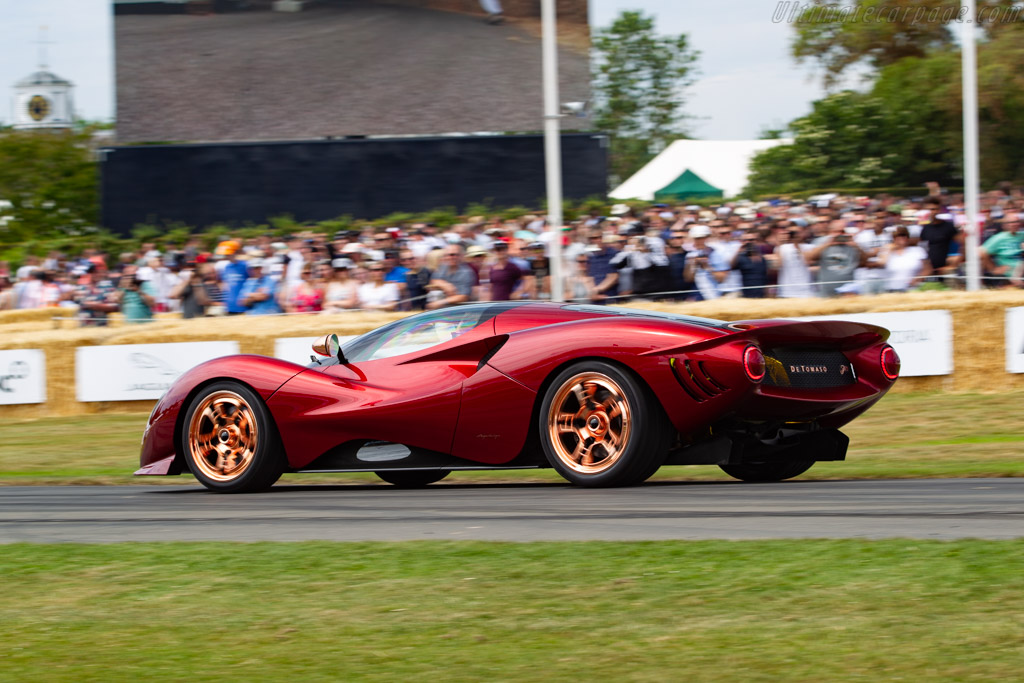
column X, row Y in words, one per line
column 420, row 331
column 618, row 310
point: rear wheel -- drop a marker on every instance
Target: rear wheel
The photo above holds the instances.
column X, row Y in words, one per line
column 230, row 441
column 412, row 479
column 599, row 426
column 768, row 471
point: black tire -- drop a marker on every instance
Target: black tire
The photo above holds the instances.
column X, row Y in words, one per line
column 412, row 479
column 768, row 471
column 600, row 426
column 230, row 441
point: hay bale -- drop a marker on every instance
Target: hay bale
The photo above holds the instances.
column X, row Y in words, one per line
column 34, row 315
column 978, row 337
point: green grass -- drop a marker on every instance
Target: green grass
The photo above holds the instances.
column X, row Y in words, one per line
column 698, row 611
column 905, row 435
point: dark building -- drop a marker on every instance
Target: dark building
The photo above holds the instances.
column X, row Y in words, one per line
column 204, row 184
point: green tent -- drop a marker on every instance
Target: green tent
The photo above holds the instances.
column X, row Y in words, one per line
column 689, row 185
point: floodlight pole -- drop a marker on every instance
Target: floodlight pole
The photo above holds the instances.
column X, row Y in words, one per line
column 552, row 143
column 970, row 113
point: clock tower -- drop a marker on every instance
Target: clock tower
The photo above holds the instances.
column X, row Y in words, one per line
column 43, row 99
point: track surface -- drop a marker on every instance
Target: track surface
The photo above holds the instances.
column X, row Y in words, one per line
column 930, row 508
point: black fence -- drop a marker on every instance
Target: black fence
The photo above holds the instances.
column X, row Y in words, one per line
column 204, row 184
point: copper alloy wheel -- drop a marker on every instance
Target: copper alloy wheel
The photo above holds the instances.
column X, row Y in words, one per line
column 223, row 436
column 589, row 423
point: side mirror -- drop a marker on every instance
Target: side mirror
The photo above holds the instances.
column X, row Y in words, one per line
column 329, row 345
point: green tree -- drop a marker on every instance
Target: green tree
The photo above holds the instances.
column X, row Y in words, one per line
column 879, row 33
column 1000, row 106
column 50, row 179
column 639, row 84
column 837, row 145
column 907, row 129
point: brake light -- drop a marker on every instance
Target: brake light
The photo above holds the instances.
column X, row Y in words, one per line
column 753, row 363
column 890, row 361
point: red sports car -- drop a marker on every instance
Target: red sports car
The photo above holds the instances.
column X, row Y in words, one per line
column 604, row 395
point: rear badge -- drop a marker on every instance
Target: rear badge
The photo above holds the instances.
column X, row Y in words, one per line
column 796, row 369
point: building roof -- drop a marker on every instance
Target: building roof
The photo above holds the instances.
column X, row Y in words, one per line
column 42, row 78
column 724, row 164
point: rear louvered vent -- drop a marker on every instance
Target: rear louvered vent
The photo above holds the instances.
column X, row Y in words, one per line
column 807, row 368
column 695, row 380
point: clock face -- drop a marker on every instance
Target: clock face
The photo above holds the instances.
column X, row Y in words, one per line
column 38, row 107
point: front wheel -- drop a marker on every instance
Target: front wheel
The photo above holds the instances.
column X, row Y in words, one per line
column 230, row 441
column 599, row 426
column 768, row 471
column 412, row 479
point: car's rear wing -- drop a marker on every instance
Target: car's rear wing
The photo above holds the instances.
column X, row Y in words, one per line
column 838, row 334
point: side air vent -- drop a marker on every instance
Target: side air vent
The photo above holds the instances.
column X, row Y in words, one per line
column 695, row 380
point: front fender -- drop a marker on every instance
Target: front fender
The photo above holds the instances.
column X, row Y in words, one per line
column 159, row 441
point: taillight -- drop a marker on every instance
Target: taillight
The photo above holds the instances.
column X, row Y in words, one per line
column 890, row 363
column 753, row 363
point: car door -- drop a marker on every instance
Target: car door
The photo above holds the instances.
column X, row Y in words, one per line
column 409, row 378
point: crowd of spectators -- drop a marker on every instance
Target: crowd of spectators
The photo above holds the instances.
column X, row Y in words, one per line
column 825, row 246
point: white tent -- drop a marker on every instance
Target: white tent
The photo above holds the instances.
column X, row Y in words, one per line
column 723, row 163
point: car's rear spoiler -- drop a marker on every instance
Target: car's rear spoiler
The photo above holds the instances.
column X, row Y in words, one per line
column 839, row 334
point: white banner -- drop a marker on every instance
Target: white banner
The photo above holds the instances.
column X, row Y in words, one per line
column 1015, row 339
column 923, row 339
column 134, row 372
column 299, row 349
column 22, row 377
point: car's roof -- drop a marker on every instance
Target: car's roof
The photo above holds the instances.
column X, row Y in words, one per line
column 508, row 317
column 644, row 313
column 497, row 307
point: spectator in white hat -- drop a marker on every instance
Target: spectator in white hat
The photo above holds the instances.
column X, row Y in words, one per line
column 259, row 293
column 704, row 266
column 342, row 292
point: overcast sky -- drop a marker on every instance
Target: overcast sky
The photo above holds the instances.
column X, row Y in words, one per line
column 747, row 80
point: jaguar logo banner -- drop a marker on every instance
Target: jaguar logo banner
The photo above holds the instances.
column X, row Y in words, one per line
column 22, row 376
column 133, row 372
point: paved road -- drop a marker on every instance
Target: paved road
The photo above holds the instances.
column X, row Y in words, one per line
column 935, row 509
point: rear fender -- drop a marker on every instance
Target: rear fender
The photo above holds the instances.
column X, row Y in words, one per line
column 841, row 334
column 533, row 357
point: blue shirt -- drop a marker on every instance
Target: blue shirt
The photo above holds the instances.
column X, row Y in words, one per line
column 599, row 266
column 397, row 274
column 263, row 284
column 234, row 276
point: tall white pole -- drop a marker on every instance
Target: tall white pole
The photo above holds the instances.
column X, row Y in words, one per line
column 552, row 143
column 970, row 97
